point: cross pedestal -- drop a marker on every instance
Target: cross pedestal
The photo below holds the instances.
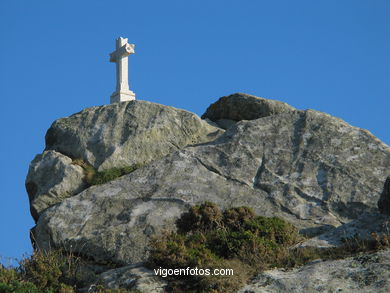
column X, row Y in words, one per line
column 119, row 56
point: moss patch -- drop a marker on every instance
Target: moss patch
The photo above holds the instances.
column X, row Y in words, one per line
column 111, row 174
column 94, row 177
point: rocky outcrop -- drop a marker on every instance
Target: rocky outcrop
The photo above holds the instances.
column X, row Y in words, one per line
column 384, row 200
column 312, row 169
column 51, row 178
column 365, row 273
column 230, row 109
column 124, row 134
column 307, row 167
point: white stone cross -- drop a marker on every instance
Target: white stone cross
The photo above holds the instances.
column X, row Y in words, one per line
column 119, row 56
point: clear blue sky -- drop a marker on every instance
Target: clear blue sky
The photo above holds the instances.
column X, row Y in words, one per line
column 332, row 56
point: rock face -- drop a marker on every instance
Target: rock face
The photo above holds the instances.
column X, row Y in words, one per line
column 384, row 200
column 116, row 135
column 307, row 167
column 366, row 273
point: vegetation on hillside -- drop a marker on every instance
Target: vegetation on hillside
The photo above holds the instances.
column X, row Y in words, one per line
column 206, row 238
column 55, row 271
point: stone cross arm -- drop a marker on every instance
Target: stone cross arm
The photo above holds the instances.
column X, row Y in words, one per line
column 123, row 51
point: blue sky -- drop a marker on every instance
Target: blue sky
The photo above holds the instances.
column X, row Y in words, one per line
column 331, row 56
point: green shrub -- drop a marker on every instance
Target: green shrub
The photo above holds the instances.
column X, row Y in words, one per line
column 55, row 271
column 209, row 238
column 11, row 281
column 18, row 287
column 235, row 218
column 200, row 218
column 8, row 275
column 45, row 272
column 44, row 268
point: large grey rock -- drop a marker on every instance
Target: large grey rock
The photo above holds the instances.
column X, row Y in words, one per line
column 123, row 134
column 384, row 200
column 51, row 178
column 241, row 106
column 364, row 273
column 116, row 135
column 311, row 164
column 307, row 167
